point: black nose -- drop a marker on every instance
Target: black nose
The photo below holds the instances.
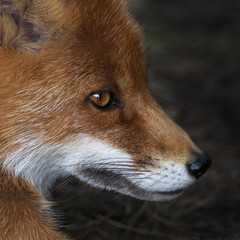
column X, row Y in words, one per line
column 199, row 165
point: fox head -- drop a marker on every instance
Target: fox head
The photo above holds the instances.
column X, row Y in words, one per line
column 74, row 100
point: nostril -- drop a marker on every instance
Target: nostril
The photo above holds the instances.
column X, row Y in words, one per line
column 199, row 165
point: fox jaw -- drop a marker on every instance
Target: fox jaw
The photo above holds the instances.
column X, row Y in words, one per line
column 75, row 101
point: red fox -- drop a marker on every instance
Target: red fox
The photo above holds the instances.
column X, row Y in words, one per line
column 74, row 100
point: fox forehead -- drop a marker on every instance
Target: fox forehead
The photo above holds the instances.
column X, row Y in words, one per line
column 89, row 63
column 85, row 38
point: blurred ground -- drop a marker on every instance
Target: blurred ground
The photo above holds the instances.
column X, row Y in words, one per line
column 194, row 75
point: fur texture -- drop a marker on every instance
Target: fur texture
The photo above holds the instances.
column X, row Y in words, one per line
column 54, row 55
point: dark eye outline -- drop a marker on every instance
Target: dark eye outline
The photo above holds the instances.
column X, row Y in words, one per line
column 112, row 103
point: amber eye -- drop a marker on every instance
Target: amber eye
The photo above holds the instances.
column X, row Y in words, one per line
column 101, row 99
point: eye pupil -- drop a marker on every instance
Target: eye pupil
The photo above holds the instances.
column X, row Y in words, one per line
column 101, row 99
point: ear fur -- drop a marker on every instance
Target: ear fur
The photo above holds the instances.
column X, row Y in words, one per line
column 24, row 25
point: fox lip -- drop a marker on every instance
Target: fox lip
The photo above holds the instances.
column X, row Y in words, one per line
column 171, row 193
column 162, row 196
column 117, row 182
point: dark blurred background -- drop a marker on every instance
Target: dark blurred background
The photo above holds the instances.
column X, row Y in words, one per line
column 194, row 75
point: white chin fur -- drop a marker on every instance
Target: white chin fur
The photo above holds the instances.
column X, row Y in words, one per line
column 98, row 164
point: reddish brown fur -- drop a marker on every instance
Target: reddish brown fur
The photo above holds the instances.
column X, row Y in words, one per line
column 38, row 96
column 22, row 208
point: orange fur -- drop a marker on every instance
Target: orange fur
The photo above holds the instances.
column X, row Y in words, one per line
column 22, row 211
column 53, row 55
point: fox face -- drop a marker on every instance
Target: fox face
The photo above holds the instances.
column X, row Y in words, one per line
column 74, row 100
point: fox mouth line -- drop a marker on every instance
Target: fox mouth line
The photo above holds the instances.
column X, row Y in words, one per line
column 116, row 180
column 169, row 193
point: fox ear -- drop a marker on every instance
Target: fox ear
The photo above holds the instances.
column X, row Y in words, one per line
column 21, row 29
